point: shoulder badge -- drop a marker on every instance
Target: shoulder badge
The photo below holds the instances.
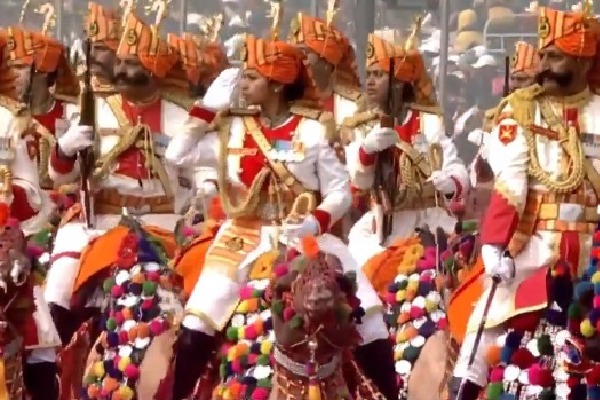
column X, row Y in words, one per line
column 349, row 93
column 507, row 133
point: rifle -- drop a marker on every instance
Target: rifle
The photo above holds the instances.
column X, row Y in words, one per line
column 506, row 91
column 385, row 189
column 87, row 117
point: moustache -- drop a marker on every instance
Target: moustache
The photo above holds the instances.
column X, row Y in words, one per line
column 137, row 79
column 561, row 79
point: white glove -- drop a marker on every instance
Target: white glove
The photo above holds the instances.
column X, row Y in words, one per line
column 308, row 227
column 442, row 182
column 76, row 138
column 380, row 139
column 497, row 263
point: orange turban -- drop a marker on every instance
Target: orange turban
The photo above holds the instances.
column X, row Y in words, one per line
column 409, row 65
column 571, row 32
column 187, row 51
column 273, row 59
column 320, row 38
column 143, row 42
column 102, row 25
column 525, row 59
column 47, row 54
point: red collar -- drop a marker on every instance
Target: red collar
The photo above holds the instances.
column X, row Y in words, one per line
column 410, row 127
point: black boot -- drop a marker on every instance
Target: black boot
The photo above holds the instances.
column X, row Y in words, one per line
column 376, row 360
column 193, row 351
column 41, row 380
column 66, row 322
column 470, row 391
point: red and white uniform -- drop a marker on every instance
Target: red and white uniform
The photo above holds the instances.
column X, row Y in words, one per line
column 536, row 224
column 31, row 206
column 316, row 167
column 129, row 178
column 420, row 129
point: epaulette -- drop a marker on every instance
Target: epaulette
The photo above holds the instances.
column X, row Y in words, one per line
column 359, row 119
column 528, row 93
column 349, row 93
column 17, row 108
column 426, row 109
column 185, row 102
column 490, row 113
column 324, row 117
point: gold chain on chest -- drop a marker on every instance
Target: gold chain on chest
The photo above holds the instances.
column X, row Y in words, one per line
column 568, row 139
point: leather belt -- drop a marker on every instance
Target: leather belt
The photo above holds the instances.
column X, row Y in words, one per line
column 110, row 201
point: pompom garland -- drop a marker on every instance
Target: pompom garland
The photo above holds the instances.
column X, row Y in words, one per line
column 134, row 317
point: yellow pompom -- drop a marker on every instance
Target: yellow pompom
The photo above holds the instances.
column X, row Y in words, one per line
column 99, row 369
column 226, row 395
column 596, row 277
column 412, row 285
column 398, row 354
column 125, row 392
column 400, row 337
column 242, row 308
column 265, row 347
column 400, row 295
column 586, row 328
column 123, row 363
column 430, row 305
column 314, row 392
column 231, row 353
column 241, row 333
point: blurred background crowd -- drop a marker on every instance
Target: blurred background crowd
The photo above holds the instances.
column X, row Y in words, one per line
column 480, row 34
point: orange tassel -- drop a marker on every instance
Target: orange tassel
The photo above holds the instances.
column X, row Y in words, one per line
column 310, row 247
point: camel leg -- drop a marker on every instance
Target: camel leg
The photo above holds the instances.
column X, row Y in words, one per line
column 429, row 371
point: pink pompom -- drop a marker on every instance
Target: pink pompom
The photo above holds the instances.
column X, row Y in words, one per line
column 391, row 298
column 246, row 293
column 156, row 327
column 260, row 394
column 430, row 252
column 119, row 318
column 416, row 312
column 442, row 323
column 291, row 254
column 465, row 248
column 34, row 250
column 225, row 349
column 116, row 291
column 147, row 304
column 496, row 375
column 281, row 270
column 236, row 366
column 13, row 223
column 288, row 313
column 123, row 337
column 153, row 276
column 596, row 301
column 425, row 278
column 250, row 332
column 252, row 359
column 132, row 371
column 446, row 255
column 188, row 231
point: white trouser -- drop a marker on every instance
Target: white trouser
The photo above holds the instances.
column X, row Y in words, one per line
column 478, row 372
column 40, row 355
column 373, row 326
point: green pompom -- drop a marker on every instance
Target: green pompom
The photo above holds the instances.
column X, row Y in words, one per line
column 469, row 225
column 264, row 383
column 232, row 333
column 277, row 307
column 544, row 346
column 494, row 391
column 411, row 354
column 90, row 380
column 449, row 263
column 263, row 359
column 257, row 294
column 223, row 371
column 111, row 324
column 243, row 360
column 108, row 284
column 296, row 322
column 403, row 285
column 575, row 311
column 149, row 288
